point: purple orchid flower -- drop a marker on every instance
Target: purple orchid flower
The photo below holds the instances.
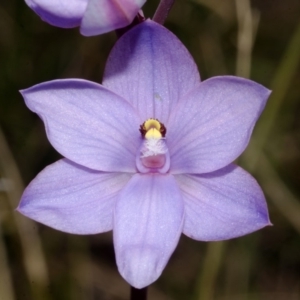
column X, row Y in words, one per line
column 148, row 153
column 93, row 16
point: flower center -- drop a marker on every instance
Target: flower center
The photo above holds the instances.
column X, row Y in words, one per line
column 153, row 155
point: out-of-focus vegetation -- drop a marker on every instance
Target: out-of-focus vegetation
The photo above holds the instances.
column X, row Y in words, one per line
column 259, row 40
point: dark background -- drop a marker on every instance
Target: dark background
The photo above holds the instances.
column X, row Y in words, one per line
column 259, row 40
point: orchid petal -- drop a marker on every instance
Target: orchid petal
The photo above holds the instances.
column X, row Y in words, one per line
column 152, row 69
column 148, row 221
column 87, row 123
column 222, row 205
column 212, row 126
column 60, row 13
column 105, row 15
column 73, row 199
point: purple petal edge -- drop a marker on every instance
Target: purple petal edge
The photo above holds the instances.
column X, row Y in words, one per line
column 60, row 13
column 73, row 199
column 102, row 16
column 213, row 126
column 221, row 205
column 109, row 138
column 148, row 222
column 152, row 69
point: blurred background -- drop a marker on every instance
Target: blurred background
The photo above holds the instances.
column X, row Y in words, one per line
column 257, row 39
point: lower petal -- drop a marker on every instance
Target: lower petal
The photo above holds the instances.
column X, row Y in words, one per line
column 106, row 15
column 72, row 198
column 148, row 222
column 222, row 205
column 65, row 14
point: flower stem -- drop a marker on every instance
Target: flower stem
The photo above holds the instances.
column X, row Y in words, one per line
column 138, row 294
column 162, row 11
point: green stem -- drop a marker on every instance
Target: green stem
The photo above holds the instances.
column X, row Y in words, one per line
column 211, row 266
column 162, row 11
column 280, row 84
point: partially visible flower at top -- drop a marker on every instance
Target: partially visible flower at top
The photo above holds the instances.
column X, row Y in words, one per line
column 93, row 16
column 148, row 154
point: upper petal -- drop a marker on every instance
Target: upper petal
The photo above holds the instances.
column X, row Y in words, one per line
column 147, row 225
column 87, row 123
column 152, row 69
column 213, row 125
column 105, row 15
column 61, row 13
column 72, row 198
column 222, row 205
